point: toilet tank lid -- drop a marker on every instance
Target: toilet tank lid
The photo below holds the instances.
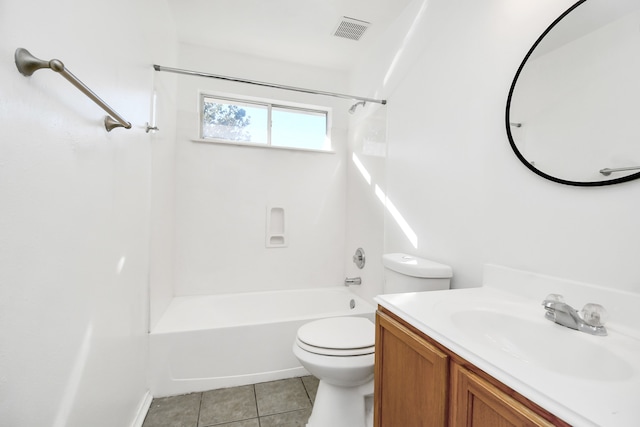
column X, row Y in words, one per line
column 417, row 267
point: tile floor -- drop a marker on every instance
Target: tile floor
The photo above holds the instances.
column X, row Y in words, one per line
column 282, row 403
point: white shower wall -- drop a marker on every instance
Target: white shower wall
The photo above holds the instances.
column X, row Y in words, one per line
column 162, row 238
column 223, row 191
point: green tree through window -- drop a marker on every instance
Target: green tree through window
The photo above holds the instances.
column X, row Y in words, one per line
column 261, row 123
column 226, row 121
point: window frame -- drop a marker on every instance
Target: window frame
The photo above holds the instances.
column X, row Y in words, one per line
column 270, row 105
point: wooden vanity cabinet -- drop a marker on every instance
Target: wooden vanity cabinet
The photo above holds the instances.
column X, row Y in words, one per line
column 411, row 378
column 479, row 403
column 420, row 383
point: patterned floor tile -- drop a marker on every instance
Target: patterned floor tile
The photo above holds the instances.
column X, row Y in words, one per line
column 281, row 396
column 227, row 405
column 175, row 411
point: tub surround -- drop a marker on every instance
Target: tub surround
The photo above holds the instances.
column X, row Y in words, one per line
column 583, row 379
column 216, row 221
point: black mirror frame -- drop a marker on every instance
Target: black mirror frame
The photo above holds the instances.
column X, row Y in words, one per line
column 508, row 121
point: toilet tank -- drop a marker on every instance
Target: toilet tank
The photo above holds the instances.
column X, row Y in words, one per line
column 408, row 273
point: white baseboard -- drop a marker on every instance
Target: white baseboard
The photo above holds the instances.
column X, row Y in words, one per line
column 145, row 404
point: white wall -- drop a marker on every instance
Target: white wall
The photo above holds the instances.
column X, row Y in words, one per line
column 75, row 212
column 450, row 171
column 220, row 228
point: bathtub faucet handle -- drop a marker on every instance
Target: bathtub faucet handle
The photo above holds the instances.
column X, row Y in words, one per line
column 358, row 258
column 352, row 281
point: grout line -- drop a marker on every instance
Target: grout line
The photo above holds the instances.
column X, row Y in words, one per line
column 284, row 412
column 307, row 391
column 304, row 387
column 255, row 396
column 199, row 409
column 232, row 422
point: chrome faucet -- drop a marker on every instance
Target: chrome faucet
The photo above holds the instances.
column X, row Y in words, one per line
column 591, row 322
column 352, row 281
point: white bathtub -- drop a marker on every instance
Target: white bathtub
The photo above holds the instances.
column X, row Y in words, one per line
column 214, row 341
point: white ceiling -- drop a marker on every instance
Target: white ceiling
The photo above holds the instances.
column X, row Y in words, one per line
column 298, row 31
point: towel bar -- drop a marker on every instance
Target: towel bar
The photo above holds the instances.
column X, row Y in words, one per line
column 27, row 64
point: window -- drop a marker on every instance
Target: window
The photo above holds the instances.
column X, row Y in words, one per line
column 263, row 124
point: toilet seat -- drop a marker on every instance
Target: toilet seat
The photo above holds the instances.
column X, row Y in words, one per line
column 338, row 336
column 333, row 352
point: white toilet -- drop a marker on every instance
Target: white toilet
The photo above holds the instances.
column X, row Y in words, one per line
column 339, row 351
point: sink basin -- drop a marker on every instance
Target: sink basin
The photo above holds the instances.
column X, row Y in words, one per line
column 500, row 328
column 544, row 344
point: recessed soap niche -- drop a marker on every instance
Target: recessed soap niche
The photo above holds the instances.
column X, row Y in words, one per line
column 276, row 227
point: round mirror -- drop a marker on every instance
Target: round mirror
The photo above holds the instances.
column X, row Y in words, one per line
column 573, row 111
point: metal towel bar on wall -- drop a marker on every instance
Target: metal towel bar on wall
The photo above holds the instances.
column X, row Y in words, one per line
column 28, row 64
column 608, row 171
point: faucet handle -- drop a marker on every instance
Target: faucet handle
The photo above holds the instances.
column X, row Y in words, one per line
column 594, row 314
column 554, row 298
column 551, row 300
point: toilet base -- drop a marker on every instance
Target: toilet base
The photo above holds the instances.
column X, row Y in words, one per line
column 338, row 406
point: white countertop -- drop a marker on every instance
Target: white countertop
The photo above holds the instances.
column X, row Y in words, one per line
column 583, row 379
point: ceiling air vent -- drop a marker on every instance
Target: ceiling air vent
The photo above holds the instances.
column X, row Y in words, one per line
column 350, row 28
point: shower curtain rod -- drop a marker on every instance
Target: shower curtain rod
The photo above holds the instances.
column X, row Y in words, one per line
column 272, row 85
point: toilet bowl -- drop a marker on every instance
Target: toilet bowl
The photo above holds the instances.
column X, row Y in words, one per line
column 339, row 351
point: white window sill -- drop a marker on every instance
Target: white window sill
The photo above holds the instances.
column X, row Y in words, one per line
column 270, row 147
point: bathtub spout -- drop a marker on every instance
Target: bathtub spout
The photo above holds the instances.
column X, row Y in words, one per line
column 352, row 281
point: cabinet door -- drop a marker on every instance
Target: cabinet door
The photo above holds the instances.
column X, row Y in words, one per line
column 475, row 402
column 411, row 378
